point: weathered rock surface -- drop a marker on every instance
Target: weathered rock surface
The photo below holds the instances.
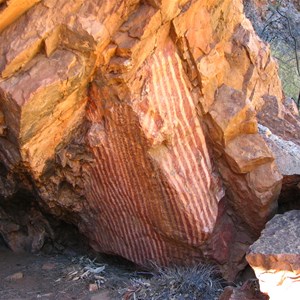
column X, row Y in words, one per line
column 138, row 122
column 275, row 257
column 285, row 147
column 248, row 291
column 287, row 153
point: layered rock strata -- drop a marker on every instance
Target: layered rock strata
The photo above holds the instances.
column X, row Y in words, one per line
column 137, row 121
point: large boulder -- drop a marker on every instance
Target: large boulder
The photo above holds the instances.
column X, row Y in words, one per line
column 275, row 257
column 137, row 122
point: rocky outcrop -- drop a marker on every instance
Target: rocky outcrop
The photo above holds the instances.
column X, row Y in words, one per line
column 287, row 153
column 285, row 146
column 275, row 257
column 138, row 122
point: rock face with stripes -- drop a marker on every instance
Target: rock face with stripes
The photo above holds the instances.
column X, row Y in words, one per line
column 152, row 165
column 137, row 122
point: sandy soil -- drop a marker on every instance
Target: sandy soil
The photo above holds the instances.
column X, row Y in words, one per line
column 72, row 275
column 43, row 277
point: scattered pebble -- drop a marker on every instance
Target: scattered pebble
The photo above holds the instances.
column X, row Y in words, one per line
column 15, row 276
column 48, row 266
column 93, row 287
column 44, row 295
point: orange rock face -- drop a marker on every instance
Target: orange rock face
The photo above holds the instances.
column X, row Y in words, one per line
column 154, row 167
column 137, row 121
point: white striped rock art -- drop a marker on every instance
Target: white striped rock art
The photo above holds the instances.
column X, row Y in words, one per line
column 153, row 166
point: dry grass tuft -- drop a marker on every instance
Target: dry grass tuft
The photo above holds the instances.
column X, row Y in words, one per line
column 189, row 283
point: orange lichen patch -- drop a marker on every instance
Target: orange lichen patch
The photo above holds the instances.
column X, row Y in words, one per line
column 13, row 10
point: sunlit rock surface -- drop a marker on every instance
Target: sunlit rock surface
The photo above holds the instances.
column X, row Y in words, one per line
column 137, row 122
column 275, row 257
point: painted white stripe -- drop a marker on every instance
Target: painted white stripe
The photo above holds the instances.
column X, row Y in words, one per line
column 206, row 167
column 166, row 162
column 200, row 133
column 116, row 209
column 165, row 100
column 112, row 212
column 93, row 197
column 95, row 186
column 141, row 193
column 115, row 165
column 178, row 106
column 204, row 189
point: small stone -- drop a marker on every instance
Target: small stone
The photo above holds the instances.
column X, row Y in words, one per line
column 93, row 287
column 15, row 276
column 48, row 266
column 45, row 295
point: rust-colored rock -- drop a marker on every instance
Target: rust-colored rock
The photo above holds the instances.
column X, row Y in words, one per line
column 10, row 10
column 248, row 291
column 137, row 122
